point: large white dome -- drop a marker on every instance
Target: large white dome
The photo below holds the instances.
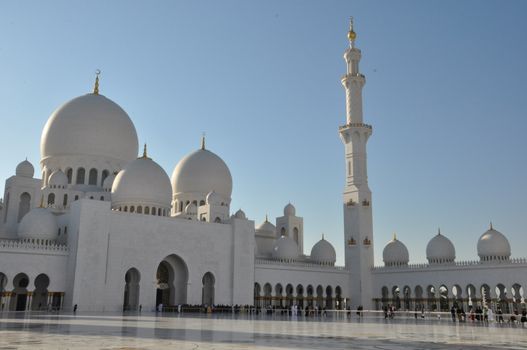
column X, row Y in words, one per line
column 142, row 182
column 323, row 252
column 493, row 245
column 200, row 173
column 90, row 125
column 440, row 250
column 395, row 253
column 285, row 249
column 39, row 223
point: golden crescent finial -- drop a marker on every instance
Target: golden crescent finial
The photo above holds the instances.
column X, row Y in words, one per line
column 351, row 33
column 394, row 238
column 203, row 141
column 96, row 86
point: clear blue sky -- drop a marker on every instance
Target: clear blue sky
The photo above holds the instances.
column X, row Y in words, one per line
column 445, row 93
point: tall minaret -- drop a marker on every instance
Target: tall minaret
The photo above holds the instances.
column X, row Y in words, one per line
column 358, row 229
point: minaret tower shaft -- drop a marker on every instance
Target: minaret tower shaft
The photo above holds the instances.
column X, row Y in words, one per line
column 358, row 226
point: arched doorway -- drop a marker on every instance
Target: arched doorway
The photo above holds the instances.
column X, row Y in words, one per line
column 485, row 295
column 19, row 296
column 207, row 291
column 338, row 298
column 320, row 296
column 444, row 304
column 40, row 295
column 300, row 296
column 289, row 295
column 502, row 299
column 3, row 283
column 257, row 291
column 278, row 289
column 329, row 298
column 171, row 281
column 407, row 293
column 268, row 290
column 131, row 289
column 310, row 292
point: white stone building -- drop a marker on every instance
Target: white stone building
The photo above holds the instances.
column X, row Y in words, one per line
column 106, row 230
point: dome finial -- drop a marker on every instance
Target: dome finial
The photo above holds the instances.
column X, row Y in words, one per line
column 266, row 218
column 322, row 235
column 394, row 238
column 144, row 152
column 203, row 141
column 351, row 34
column 439, row 230
column 96, row 86
column 491, row 226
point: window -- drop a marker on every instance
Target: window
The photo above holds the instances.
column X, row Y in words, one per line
column 51, row 199
column 139, row 209
column 65, row 200
column 147, row 210
column 104, row 175
column 80, row 176
column 23, row 207
column 69, row 174
column 92, row 180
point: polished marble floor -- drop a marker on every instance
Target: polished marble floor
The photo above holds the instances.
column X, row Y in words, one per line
column 151, row 331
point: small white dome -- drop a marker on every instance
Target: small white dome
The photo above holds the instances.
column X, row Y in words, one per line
column 289, row 210
column 39, row 223
column 213, row 198
column 142, row 182
column 58, row 178
column 90, row 125
column 493, row 245
column 240, row 214
column 285, row 249
column 266, row 227
column 191, row 209
column 108, row 182
column 323, row 252
column 201, row 172
column 395, row 253
column 440, row 250
column 25, row 169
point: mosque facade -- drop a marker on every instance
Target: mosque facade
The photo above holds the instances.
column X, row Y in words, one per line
column 101, row 229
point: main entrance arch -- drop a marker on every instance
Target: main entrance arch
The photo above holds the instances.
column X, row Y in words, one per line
column 171, row 281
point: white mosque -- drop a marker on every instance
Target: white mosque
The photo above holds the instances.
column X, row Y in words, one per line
column 104, row 229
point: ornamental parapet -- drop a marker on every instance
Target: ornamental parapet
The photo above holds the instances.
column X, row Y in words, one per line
column 33, row 245
column 355, row 125
column 260, row 261
column 466, row 263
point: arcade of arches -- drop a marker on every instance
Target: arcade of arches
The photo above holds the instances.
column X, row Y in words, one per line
column 29, row 295
column 308, row 296
column 442, row 298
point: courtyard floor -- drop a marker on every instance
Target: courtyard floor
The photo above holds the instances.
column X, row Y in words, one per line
column 151, row 331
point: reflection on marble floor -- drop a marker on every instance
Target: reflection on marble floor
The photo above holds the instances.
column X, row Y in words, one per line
column 148, row 331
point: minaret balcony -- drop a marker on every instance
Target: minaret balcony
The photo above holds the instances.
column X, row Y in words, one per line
column 355, row 125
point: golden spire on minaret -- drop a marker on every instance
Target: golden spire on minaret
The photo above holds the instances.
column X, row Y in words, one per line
column 96, row 86
column 351, row 33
